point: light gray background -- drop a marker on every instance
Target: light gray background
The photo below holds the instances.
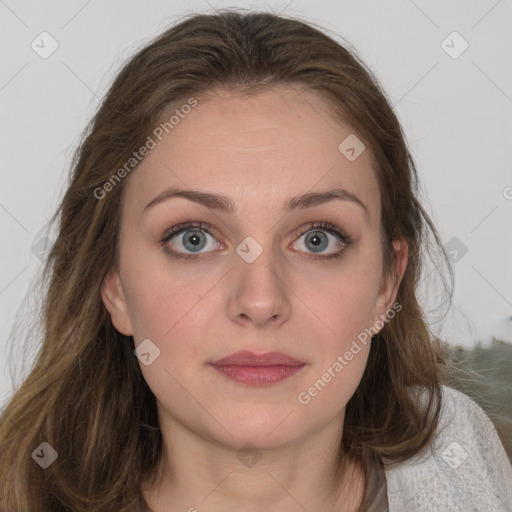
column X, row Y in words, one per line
column 456, row 113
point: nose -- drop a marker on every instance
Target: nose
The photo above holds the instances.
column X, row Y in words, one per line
column 260, row 293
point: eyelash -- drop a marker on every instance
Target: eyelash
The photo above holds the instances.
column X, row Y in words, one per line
column 321, row 226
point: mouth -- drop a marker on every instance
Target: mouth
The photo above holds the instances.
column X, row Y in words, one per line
column 258, row 369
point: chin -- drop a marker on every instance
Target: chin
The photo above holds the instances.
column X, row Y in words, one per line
column 263, row 428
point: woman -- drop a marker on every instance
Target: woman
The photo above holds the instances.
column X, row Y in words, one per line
column 231, row 319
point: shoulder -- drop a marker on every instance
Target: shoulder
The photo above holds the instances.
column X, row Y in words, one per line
column 464, row 468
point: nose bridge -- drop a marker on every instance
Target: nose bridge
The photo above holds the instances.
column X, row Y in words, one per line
column 259, row 291
column 259, row 264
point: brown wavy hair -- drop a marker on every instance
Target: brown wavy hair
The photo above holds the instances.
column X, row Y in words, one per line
column 85, row 394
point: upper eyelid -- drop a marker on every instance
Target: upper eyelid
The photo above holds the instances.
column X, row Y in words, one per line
column 316, row 225
column 185, row 226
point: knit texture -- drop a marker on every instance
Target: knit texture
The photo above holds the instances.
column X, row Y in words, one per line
column 465, row 468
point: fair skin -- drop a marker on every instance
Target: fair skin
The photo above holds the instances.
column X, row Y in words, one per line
column 260, row 151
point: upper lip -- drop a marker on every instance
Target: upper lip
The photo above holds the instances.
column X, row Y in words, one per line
column 247, row 358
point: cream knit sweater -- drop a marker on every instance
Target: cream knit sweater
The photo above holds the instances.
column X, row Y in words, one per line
column 465, row 469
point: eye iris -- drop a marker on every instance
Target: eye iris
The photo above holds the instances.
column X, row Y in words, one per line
column 319, row 243
column 195, row 238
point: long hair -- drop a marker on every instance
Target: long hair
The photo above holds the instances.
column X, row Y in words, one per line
column 85, row 394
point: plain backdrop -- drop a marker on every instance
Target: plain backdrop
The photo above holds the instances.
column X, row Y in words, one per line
column 446, row 67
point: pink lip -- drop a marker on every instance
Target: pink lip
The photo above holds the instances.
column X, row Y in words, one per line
column 258, row 369
column 246, row 358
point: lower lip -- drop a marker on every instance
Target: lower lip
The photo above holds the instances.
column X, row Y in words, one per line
column 258, row 375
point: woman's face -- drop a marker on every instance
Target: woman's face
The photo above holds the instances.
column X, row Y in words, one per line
column 261, row 277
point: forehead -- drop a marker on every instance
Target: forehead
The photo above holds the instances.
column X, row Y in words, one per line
column 268, row 146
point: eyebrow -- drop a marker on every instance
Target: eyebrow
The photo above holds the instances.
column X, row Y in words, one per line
column 225, row 204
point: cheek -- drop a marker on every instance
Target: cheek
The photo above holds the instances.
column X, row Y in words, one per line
column 342, row 353
column 156, row 296
column 168, row 316
column 335, row 377
column 169, row 306
column 174, row 314
column 344, row 303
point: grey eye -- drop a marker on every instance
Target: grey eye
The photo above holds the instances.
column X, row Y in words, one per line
column 193, row 240
column 317, row 239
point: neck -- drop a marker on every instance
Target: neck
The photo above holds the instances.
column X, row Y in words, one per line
column 197, row 474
